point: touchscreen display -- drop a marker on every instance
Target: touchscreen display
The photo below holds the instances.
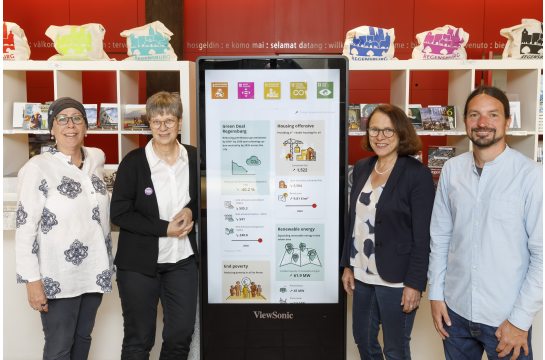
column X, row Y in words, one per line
column 272, row 185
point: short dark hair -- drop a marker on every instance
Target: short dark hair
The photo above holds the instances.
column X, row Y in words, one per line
column 490, row 91
column 409, row 141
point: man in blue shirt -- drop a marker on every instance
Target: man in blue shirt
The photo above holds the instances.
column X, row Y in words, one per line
column 486, row 260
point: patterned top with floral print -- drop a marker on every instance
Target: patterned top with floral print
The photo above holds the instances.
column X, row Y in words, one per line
column 63, row 225
column 362, row 252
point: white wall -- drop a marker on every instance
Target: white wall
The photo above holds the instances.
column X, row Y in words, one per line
column 23, row 335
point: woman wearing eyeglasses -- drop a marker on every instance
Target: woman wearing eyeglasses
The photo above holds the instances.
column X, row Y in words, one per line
column 387, row 244
column 155, row 203
column 63, row 242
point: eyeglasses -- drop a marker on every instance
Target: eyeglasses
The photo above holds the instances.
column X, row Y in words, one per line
column 169, row 123
column 386, row 132
column 63, row 120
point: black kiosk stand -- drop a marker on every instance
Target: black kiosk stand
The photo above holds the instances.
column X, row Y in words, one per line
column 272, row 137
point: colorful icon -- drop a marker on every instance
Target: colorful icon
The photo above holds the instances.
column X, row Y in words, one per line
column 245, row 90
column 272, row 90
column 324, row 90
column 298, row 90
column 220, row 90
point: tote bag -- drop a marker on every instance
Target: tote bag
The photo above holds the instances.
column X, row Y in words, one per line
column 149, row 43
column 74, row 42
column 367, row 43
column 444, row 43
column 524, row 41
column 15, row 43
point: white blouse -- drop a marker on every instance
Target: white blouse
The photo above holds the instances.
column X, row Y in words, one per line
column 63, row 225
column 362, row 254
column 171, row 185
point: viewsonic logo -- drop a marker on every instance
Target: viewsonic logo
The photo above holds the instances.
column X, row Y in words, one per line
column 273, row 315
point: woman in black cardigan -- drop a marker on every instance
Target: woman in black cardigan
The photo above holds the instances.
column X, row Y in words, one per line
column 387, row 246
column 154, row 203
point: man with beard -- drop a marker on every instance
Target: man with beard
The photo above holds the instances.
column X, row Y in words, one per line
column 486, row 260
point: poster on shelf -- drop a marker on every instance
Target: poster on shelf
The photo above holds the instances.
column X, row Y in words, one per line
column 91, row 113
column 32, row 116
column 437, row 157
column 78, row 42
column 108, row 117
column 149, row 43
column 443, row 43
column 354, row 118
column 524, row 41
column 368, row 43
column 110, row 173
column 18, row 114
column 45, row 115
column 365, row 111
column 15, row 43
column 415, row 117
column 514, row 111
column 135, row 118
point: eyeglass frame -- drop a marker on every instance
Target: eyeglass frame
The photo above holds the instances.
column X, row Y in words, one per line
column 163, row 122
column 382, row 130
column 69, row 118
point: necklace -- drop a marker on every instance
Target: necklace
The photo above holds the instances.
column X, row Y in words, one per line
column 382, row 173
column 82, row 157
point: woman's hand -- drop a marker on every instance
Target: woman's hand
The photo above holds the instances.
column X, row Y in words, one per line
column 36, row 295
column 348, row 281
column 410, row 299
column 181, row 224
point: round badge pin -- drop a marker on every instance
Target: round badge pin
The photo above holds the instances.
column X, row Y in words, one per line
column 149, row 191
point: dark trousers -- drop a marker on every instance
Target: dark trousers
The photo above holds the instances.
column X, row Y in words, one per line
column 68, row 326
column 176, row 286
column 374, row 305
column 468, row 340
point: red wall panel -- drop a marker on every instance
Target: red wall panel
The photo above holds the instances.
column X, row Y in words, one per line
column 239, row 24
column 500, row 14
column 107, row 143
column 315, row 26
column 194, row 27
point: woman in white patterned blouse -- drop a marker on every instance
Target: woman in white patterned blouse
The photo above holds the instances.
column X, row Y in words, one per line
column 63, row 242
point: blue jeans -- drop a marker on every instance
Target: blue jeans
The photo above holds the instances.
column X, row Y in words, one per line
column 468, row 340
column 374, row 305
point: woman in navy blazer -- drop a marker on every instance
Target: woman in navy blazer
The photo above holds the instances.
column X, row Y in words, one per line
column 387, row 247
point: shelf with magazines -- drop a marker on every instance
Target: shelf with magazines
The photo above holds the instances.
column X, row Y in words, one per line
column 521, row 82
column 68, row 79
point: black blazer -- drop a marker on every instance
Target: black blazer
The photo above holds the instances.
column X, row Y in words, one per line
column 137, row 214
column 402, row 221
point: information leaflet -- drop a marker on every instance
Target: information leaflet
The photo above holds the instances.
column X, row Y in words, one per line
column 272, row 185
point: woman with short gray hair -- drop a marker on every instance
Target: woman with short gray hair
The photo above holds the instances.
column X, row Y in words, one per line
column 154, row 203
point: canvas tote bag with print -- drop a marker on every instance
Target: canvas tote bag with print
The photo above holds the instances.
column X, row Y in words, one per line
column 74, row 42
column 15, row 43
column 524, row 41
column 149, row 43
column 367, row 43
column 444, row 43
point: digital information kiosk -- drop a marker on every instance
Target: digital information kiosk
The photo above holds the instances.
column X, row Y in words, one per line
column 272, row 139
